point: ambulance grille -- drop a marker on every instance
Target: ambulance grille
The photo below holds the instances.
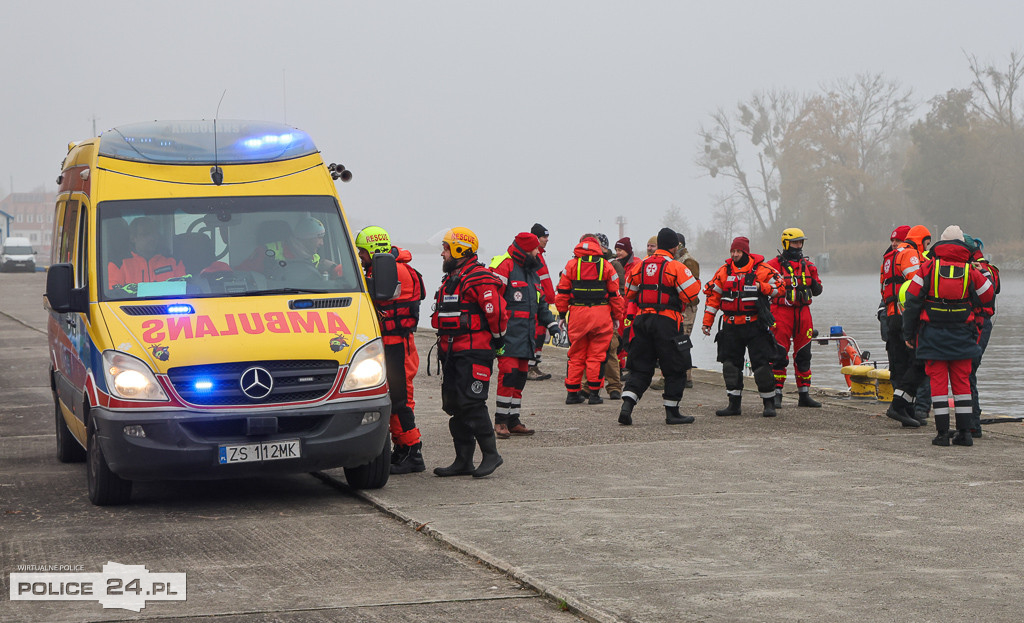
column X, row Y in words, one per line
column 218, row 385
column 320, row 303
column 145, row 310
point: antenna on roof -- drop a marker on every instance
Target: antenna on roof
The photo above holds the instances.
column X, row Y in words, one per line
column 216, row 173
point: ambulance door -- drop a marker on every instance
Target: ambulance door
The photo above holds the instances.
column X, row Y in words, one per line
column 71, row 355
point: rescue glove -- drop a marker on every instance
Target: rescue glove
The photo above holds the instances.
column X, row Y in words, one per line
column 498, row 345
column 554, row 328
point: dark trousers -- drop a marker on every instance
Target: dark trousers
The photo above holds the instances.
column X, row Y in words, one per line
column 403, row 420
column 654, row 344
column 734, row 340
column 901, row 359
column 465, row 379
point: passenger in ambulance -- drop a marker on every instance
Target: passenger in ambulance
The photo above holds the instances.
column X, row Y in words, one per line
column 300, row 248
column 146, row 262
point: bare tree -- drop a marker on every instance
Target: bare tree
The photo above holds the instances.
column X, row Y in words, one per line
column 675, row 220
column 879, row 111
column 997, row 89
column 844, row 153
column 728, row 216
column 744, row 148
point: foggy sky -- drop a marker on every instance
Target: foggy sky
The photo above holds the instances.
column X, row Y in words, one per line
column 490, row 115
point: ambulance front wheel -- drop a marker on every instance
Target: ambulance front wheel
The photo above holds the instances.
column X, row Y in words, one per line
column 374, row 474
column 68, row 448
column 105, row 487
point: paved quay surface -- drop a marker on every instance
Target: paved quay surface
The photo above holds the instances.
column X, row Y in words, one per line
column 289, row 549
column 832, row 514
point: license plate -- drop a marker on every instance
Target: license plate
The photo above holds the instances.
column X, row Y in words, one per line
column 264, row 451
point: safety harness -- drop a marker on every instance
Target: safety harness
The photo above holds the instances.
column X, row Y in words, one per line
column 589, row 292
column 456, row 316
column 957, row 306
column 652, row 293
column 740, row 296
column 400, row 318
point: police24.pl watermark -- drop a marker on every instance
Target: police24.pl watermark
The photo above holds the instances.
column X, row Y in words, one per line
column 128, row 587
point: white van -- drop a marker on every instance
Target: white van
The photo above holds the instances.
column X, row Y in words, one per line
column 17, row 253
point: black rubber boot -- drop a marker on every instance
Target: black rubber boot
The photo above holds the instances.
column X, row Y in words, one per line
column 769, row 407
column 463, row 465
column 411, row 462
column 963, row 438
column 594, row 399
column 733, row 408
column 573, row 398
column 398, row 453
column 911, row 410
column 672, row 416
column 778, row 398
column 626, row 412
column 942, row 430
column 491, row 460
column 807, row 401
column 897, row 412
column 963, row 431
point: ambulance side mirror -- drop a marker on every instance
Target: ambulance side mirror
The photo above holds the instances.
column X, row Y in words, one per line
column 384, row 283
column 61, row 293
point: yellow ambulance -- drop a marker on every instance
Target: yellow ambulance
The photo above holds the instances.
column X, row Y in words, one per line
column 208, row 314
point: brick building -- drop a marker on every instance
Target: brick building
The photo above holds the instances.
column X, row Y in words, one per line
column 29, row 215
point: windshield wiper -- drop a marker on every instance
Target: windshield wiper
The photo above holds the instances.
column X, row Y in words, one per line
column 283, row 291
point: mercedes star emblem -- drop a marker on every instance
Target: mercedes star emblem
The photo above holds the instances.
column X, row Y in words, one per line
column 256, row 382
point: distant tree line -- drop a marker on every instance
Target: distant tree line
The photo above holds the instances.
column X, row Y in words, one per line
column 850, row 162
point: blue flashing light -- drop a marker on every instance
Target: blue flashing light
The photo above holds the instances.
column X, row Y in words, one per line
column 180, row 308
column 192, row 142
column 303, row 304
column 268, row 140
column 203, row 385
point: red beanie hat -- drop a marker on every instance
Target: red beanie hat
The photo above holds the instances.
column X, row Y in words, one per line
column 527, row 241
column 900, row 233
column 625, row 244
column 740, row 243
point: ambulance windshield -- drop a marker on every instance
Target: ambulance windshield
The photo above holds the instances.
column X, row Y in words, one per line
column 225, row 246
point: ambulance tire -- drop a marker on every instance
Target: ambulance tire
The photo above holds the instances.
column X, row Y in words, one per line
column 374, row 474
column 105, row 487
column 68, row 448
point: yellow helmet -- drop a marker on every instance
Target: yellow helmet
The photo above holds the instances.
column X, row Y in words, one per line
column 461, row 241
column 790, row 235
column 373, row 240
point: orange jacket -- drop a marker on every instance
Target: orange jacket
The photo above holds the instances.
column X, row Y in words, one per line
column 588, row 270
column 901, row 265
column 660, row 284
column 727, row 290
column 137, row 269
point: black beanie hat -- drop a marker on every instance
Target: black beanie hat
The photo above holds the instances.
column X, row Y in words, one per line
column 539, row 230
column 667, row 239
column 682, row 239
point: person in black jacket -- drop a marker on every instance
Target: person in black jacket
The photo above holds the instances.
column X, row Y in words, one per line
column 524, row 299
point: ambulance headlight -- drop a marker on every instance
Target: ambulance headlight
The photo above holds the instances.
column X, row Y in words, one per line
column 130, row 378
column 366, row 368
